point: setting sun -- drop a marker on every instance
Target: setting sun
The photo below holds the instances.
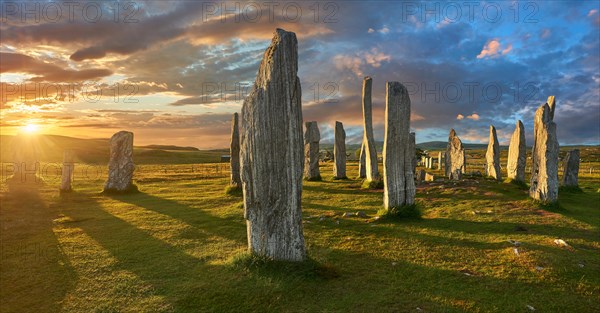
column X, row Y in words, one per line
column 31, row 128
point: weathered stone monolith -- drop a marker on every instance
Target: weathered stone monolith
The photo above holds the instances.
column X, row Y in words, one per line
column 234, row 150
column 272, row 154
column 544, row 172
column 120, row 166
column 398, row 174
column 440, row 160
column 454, row 158
column 571, row 168
column 372, row 171
column 312, row 136
column 517, row 156
column 421, row 176
column 413, row 148
column 492, row 156
column 339, row 151
column 362, row 165
column 552, row 105
column 67, row 171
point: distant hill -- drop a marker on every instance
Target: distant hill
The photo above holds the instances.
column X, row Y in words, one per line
column 170, row 147
column 441, row 145
column 96, row 151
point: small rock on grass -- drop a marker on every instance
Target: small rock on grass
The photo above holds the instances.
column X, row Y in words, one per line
column 561, row 243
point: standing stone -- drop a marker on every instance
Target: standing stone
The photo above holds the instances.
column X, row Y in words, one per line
column 339, row 151
column 120, row 166
column 440, row 160
column 421, row 176
column 492, row 156
column 234, row 161
column 544, row 172
column 362, row 166
column 67, row 171
column 552, row 105
column 455, row 157
column 272, row 154
column 517, row 156
column 413, row 148
column 312, row 136
column 398, row 174
column 372, row 172
column 571, row 168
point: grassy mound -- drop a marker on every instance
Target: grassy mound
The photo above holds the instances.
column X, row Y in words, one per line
column 403, row 212
column 265, row 266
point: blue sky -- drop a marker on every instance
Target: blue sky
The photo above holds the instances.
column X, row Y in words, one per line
column 181, row 68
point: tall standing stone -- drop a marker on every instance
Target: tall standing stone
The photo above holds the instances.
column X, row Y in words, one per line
column 492, row 156
column 312, row 136
column 272, row 154
column 571, row 168
column 544, row 171
column 120, row 166
column 552, row 105
column 413, row 148
column 339, row 151
column 67, row 171
column 440, row 160
column 372, row 171
column 398, row 174
column 517, row 156
column 234, row 161
column 455, row 157
column 362, row 165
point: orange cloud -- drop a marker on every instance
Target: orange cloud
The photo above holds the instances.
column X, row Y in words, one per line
column 493, row 49
column 473, row 116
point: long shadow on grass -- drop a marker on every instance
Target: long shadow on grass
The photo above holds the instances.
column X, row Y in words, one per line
column 332, row 190
column 580, row 205
column 397, row 285
column 35, row 273
column 174, row 274
column 229, row 228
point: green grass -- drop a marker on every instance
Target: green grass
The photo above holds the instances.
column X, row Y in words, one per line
column 233, row 191
column 179, row 245
column 400, row 213
column 372, row 184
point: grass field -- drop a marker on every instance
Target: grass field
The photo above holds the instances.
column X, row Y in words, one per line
column 176, row 247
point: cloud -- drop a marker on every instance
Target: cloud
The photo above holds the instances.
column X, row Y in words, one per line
column 374, row 58
column 46, row 72
column 474, row 117
column 460, row 117
column 348, row 62
column 493, row 49
column 592, row 12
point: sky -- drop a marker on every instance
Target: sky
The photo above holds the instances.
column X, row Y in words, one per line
column 173, row 72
